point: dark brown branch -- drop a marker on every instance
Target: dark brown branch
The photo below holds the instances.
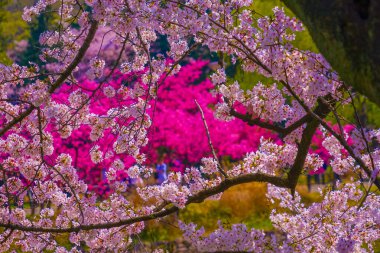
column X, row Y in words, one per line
column 81, row 52
column 360, row 127
column 17, row 120
column 303, row 149
column 258, row 122
column 198, row 198
column 341, row 139
column 60, row 80
column 7, row 236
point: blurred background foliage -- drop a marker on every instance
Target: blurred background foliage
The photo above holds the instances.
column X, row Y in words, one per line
column 12, row 27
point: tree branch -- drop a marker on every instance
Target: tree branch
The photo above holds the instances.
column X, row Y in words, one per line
column 258, row 122
column 341, row 139
column 209, row 140
column 61, row 79
column 322, row 111
column 198, row 198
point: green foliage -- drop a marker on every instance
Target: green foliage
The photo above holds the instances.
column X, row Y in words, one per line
column 367, row 111
column 12, row 28
column 38, row 26
column 241, row 204
column 372, row 112
column 303, row 41
column 160, row 231
column 206, row 214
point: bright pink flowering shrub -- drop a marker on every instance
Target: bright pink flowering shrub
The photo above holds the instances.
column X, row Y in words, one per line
column 176, row 124
column 177, row 121
column 81, row 141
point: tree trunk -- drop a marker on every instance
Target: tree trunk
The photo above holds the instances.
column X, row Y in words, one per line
column 347, row 33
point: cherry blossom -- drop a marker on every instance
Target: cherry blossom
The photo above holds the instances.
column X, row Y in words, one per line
column 42, row 107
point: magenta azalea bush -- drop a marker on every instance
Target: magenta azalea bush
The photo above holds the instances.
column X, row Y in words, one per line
column 176, row 122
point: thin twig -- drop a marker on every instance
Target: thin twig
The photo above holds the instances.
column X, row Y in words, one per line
column 209, row 140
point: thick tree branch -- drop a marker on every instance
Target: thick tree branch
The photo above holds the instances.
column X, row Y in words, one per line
column 340, row 138
column 197, row 198
column 322, row 111
column 258, row 122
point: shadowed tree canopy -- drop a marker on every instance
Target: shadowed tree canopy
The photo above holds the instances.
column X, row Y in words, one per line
column 347, row 33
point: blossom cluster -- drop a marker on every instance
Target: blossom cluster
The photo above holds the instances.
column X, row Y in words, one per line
column 334, row 225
